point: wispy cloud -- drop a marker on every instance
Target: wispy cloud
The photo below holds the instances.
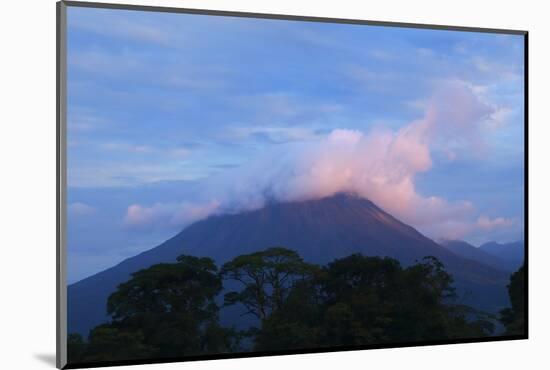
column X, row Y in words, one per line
column 83, row 120
column 497, row 69
column 80, row 209
column 126, row 147
column 123, row 172
column 180, row 152
column 136, row 66
column 116, row 24
column 275, row 134
column 487, row 224
column 284, row 106
column 167, row 215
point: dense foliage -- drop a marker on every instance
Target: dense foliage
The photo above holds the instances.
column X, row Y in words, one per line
column 166, row 310
column 513, row 318
column 170, row 310
column 361, row 300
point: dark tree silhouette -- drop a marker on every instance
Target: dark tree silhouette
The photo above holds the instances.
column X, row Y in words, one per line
column 361, row 300
column 513, row 318
column 266, row 278
column 169, row 310
column 187, row 286
column 76, row 347
column 166, row 310
column 109, row 343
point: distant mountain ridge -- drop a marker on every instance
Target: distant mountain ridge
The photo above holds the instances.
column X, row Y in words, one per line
column 469, row 251
column 513, row 252
column 319, row 230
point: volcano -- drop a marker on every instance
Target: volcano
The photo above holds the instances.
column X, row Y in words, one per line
column 319, row 230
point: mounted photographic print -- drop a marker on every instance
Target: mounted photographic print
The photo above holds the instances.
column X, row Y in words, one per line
column 237, row 184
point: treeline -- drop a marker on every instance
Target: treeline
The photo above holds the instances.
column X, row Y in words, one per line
column 513, row 317
column 170, row 310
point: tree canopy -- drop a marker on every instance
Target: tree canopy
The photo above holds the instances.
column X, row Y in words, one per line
column 171, row 309
column 266, row 278
column 166, row 310
column 361, row 300
column 513, row 318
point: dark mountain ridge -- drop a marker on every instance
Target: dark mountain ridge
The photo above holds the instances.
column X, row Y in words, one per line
column 467, row 250
column 513, row 252
column 319, row 230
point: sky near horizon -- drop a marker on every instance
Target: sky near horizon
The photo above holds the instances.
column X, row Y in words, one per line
column 174, row 117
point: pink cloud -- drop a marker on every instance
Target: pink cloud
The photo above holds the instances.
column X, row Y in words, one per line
column 488, row 224
column 381, row 165
column 138, row 216
column 459, row 227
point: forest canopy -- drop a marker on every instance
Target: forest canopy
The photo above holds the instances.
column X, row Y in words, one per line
column 173, row 309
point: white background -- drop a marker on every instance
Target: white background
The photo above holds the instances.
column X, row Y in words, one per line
column 27, row 194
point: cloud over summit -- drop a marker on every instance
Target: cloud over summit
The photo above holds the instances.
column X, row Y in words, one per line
column 380, row 165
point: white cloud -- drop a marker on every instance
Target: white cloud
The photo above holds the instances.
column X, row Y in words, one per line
column 120, row 173
column 457, row 228
column 167, row 215
column 275, row 134
column 369, row 77
column 104, row 63
column 80, row 209
column 85, row 120
column 278, row 107
column 132, row 65
column 126, row 147
column 119, row 146
column 500, row 117
column 380, row 54
column 500, row 71
column 137, row 215
column 127, row 28
column 425, row 52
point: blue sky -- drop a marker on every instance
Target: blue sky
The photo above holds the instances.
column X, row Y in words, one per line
column 173, row 117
